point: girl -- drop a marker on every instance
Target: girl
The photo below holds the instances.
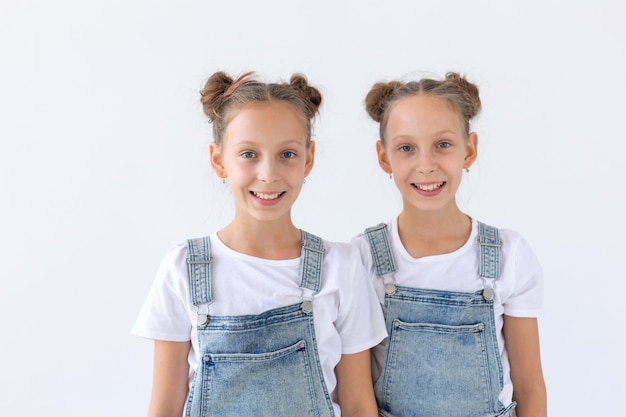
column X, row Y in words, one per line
column 261, row 318
column 460, row 297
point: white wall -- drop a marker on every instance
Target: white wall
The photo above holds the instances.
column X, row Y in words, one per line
column 103, row 166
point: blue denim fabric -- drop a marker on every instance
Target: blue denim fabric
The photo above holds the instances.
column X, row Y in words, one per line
column 442, row 352
column 258, row 365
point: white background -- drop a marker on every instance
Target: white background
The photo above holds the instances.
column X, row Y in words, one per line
column 103, row 166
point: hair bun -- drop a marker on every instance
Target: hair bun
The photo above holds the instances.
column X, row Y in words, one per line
column 470, row 93
column 378, row 97
column 311, row 94
column 212, row 93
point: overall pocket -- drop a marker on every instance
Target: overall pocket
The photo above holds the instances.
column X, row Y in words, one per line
column 435, row 370
column 277, row 383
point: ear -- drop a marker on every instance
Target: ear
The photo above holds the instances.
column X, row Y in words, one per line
column 217, row 163
column 310, row 159
column 471, row 150
column 383, row 158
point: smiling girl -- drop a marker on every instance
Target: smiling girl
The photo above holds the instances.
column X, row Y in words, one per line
column 261, row 318
column 460, row 298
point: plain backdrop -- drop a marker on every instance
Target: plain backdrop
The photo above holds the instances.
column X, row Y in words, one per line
column 104, row 166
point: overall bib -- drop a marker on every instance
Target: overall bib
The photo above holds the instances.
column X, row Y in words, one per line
column 258, row 365
column 442, row 352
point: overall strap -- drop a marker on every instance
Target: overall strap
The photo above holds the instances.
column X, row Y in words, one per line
column 489, row 245
column 311, row 262
column 198, row 263
column 381, row 249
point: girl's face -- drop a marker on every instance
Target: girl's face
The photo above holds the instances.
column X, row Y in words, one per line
column 265, row 157
column 426, row 150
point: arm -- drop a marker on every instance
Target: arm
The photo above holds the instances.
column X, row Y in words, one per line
column 521, row 337
column 355, row 391
column 170, row 379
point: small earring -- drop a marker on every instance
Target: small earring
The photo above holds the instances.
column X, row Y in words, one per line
column 466, row 169
column 304, row 182
column 390, row 176
column 224, row 180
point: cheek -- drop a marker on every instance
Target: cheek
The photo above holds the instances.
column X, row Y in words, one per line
column 460, row 161
column 294, row 174
column 239, row 169
column 400, row 163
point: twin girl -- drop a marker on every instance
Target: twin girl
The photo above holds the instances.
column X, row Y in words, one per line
column 433, row 313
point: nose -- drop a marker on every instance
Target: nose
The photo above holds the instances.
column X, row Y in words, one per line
column 426, row 163
column 268, row 171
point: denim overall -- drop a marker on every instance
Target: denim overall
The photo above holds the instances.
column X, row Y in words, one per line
column 258, row 365
column 442, row 352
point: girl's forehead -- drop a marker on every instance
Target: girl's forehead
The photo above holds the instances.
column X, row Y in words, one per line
column 269, row 124
column 423, row 111
column 423, row 103
column 278, row 111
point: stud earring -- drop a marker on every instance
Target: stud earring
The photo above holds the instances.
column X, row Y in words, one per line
column 390, row 176
column 466, row 169
column 224, row 180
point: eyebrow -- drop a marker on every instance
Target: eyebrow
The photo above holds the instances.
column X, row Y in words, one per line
column 437, row 133
column 446, row 131
column 291, row 142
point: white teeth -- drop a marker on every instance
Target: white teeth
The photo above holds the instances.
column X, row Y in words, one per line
column 266, row 196
column 429, row 187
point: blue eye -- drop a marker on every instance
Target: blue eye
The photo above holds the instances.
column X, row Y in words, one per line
column 248, row 154
column 444, row 145
column 289, row 154
column 405, row 148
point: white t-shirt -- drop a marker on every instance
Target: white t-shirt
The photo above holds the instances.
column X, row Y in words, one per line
column 347, row 315
column 518, row 291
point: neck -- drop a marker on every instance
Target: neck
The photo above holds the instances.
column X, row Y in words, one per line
column 270, row 240
column 425, row 233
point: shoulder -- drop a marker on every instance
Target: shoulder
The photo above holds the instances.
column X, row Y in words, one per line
column 338, row 252
column 517, row 255
column 520, row 263
column 172, row 274
column 511, row 239
column 343, row 264
column 165, row 314
column 362, row 240
column 515, row 245
column 359, row 242
column 521, row 282
column 175, row 257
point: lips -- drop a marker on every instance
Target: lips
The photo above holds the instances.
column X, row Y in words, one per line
column 429, row 187
column 267, row 196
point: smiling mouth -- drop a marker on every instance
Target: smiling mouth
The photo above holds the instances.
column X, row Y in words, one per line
column 266, row 196
column 429, row 187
